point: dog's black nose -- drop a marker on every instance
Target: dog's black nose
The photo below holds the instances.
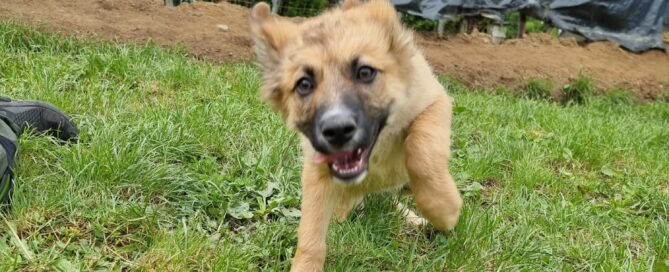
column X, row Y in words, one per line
column 338, row 129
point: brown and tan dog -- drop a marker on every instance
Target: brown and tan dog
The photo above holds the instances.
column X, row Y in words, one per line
column 371, row 113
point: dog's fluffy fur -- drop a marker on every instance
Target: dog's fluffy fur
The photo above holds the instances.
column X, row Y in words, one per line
column 413, row 148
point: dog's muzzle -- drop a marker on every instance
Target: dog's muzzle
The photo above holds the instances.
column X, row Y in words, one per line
column 344, row 139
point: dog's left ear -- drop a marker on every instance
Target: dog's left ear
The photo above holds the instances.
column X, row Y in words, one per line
column 348, row 4
column 270, row 35
column 383, row 12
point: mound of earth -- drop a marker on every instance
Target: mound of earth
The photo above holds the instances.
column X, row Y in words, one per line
column 219, row 33
column 193, row 26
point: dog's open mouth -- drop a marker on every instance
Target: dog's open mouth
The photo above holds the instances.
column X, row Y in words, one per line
column 350, row 165
column 347, row 165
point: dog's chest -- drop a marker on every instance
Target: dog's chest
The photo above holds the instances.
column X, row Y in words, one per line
column 387, row 168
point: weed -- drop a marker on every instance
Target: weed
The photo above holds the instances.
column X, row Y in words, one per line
column 578, row 91
column 537, row 90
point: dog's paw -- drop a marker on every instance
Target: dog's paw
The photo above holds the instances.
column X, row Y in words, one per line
column 410, row 217
column 305, row 268
column 304, row 264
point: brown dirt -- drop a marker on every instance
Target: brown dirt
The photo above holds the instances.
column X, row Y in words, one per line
column 472, row 59
column 193, row 26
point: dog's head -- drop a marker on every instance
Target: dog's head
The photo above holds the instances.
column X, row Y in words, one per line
column 335, row 77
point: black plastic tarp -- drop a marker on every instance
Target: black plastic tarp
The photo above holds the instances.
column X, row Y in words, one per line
column 636, row 25
column 666, row 18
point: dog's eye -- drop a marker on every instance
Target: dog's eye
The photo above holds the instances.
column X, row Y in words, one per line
column 366, row 74
column 304, row 86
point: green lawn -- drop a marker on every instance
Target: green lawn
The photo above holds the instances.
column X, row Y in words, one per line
column 180, row 167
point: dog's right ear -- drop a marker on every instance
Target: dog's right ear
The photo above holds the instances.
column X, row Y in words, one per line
column 270, row 34
column 350, row 3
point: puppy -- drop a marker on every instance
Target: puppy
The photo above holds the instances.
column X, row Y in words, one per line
column 371, row 114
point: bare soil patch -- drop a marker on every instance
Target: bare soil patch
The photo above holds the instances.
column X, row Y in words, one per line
column 472, row 59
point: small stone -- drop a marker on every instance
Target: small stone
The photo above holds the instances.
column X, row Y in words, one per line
column 223, row 28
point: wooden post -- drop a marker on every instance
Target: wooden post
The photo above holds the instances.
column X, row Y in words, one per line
column 522, row 18
column 440, row 28
column 464, row 25
column 174, row 3
column 276, row 6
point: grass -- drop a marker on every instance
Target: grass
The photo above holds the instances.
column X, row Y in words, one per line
column 537, row 89
column 180, row 167
column 579, row 90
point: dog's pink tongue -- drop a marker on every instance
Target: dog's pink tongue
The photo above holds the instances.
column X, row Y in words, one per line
column 322, row 158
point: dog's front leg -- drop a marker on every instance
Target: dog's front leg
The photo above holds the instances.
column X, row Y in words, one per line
column 427, row 154
column 318, row 197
